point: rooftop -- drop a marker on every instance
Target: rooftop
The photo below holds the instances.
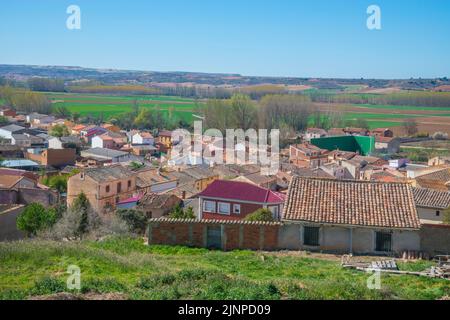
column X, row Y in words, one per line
column 431, row 198
column 109, row 173
column 104, row 153
column 358, row 203
column 12, row 128
column 235, row 190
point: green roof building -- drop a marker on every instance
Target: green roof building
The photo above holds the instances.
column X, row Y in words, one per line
column 364, row 145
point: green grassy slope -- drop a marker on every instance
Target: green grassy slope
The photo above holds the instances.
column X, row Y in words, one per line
column 161, row 272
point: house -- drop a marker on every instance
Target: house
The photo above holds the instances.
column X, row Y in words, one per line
column 307, row 155
column 6, row 132
column 436, row 180
column 43, row 122
column 358, row 164
column 198, row 177
column 6, row 112
column 108, row 140
column 76, row 130
column 387, row 144
column 265, row 181
column 356, row 131
column 54, row 157
column 114, row 156
column 143, row 150
column 21, row 164
column 27, row 140
column 10, row 151
column 154, row 181
column 431, row 205
column 351, row 216
column 336, row 170
column 382, row 132
column 165, row 138
column 233, row 200
column 64, row 142
column 104, row 187
column 33, row 116
column 89, row 132
column 157, row 205
column 143, row 138
column 21, row 188
column 111, row 127
column 314, row 133
column 439, row 160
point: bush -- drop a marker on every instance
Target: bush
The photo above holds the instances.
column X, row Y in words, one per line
column 136, row 220
column 179, row 213
column 260, row 215
column 48, row 285
column 35, row 218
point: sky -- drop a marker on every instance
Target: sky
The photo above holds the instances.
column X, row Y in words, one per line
column 298, row 38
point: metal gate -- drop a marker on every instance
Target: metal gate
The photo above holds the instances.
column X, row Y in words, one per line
column 214, row 237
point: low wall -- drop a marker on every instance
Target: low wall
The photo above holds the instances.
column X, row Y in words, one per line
column 225, row 235
column 435, row 239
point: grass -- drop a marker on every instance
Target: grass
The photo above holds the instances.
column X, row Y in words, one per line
column 110, row 106
column 128, row 266
column 403, row 108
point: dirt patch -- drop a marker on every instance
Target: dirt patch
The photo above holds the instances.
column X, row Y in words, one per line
column 85, row 296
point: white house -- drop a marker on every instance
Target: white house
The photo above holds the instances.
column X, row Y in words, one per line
column 143, row 138
column 6, row 132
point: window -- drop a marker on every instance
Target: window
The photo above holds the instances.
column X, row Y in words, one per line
column 383, row 242
column 236, row 208
column 209, row 206
column 224, row 208
column 438, row 213
column 119, row 187
column 311, row 236
column 129, row 184
column 107, row 189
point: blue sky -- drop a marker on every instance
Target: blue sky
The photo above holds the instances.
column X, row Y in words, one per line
column 315, row 38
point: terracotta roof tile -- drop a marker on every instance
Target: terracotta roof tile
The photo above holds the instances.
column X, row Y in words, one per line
column 431, row 198
column 359, row 203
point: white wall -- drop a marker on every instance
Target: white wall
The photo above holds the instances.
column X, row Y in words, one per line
column 97, row 142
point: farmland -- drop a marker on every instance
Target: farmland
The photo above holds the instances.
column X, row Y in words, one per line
column 429, row 119
column 110, row 106
column 132, row 270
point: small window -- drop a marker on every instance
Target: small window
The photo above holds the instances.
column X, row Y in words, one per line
column 438, row 213
column 107, row 189
column 236, row 208
column 224, row 208
column 129, row 184
column 209, row 206
column 383, row 242
column 311, row 236
column 119, row 187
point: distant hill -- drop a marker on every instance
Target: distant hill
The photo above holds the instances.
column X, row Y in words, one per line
column 112, row 76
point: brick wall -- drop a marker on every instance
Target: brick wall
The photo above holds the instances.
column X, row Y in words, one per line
column 233, row 234
column 435, row 239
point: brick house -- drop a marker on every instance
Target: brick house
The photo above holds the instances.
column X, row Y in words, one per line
column 307, row 155
column 54, row 157
column 233, row 200
column 104, row 187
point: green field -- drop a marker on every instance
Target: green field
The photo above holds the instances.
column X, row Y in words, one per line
column 402, row 108
column 111, row 106
column 137, row 271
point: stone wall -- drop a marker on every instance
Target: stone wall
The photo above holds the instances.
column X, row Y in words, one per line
column 435, row 239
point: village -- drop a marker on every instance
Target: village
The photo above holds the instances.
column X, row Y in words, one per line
column 337, row 190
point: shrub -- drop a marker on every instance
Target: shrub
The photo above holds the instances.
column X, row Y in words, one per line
column 179, row 213
column 48, row 285
column 260, row 215
column 35, row 218
column 136, row 220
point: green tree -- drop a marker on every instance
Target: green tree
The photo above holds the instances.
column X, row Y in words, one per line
column 260, row 215
column 62, row 112
column 136, row 220
column 178, row 213
column 59, row 130
column 81, row 204
column 35, row 218
column 244, row 111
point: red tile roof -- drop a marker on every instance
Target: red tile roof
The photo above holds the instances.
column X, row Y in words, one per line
column 235, row 190
column 358, row 203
